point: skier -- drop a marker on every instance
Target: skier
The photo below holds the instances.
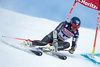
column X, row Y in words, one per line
column 64, row 31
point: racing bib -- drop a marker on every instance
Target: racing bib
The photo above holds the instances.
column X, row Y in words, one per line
column 64, row 34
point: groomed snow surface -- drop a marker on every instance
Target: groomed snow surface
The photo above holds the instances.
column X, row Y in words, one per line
column 19, row 25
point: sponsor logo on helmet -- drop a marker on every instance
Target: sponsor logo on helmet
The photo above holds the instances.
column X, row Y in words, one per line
column 77, row 22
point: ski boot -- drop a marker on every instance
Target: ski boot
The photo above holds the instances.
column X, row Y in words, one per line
column 26, row 44
column 47, row 48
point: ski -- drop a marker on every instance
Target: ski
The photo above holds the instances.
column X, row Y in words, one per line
column 38, row 53
column 54, row 54
column 35, row 50
column 63, row 57
column 59, row 55
column 25, row 49
column 30, row 40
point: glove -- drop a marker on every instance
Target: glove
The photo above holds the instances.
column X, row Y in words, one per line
column 55, row 40
column 71, row 51
column 55, row 44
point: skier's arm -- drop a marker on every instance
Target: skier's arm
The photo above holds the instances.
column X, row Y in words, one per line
column 55, row 32
column 60, row 26
column 74, row 43
column 49, row 37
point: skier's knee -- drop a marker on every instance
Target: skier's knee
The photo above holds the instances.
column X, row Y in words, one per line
column 66, row 45
column 63, row 45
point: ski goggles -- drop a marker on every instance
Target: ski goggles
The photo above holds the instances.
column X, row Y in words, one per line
column 74, row 26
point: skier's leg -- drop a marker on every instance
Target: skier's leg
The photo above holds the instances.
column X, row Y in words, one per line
column 48, row 38
column 36, row 43
column 63, row 45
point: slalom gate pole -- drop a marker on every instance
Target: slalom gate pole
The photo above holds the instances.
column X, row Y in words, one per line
column 96, row 34
column 71, row 11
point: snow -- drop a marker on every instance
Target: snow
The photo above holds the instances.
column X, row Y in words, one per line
column 97, row 58
column 22, row 26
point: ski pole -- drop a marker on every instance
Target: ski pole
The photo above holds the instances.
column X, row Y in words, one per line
column 18, row 38
column 26, row 40
column 66, row 50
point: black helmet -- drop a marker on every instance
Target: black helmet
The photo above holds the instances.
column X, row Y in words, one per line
column 76, row 21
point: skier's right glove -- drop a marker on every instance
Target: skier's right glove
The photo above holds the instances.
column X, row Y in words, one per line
column 71, row 51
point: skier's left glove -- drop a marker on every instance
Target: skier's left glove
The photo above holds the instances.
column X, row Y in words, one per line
column 71, row 51
column 55, row 44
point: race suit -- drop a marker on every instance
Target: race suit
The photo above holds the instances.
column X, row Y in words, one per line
column 63, row 33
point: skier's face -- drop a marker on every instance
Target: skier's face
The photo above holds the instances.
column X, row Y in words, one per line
column 74, row 27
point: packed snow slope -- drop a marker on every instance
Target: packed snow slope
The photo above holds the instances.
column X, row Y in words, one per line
column 22, row 26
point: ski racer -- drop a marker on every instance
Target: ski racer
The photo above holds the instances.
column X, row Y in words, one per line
column 64, row 31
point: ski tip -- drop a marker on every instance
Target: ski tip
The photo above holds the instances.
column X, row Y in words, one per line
column 63, row 57
column 38, row 53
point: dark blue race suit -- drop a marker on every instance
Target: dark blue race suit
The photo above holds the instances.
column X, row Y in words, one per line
column 64, row 32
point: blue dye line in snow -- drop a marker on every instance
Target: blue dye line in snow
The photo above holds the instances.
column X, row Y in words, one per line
column 91, row 59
